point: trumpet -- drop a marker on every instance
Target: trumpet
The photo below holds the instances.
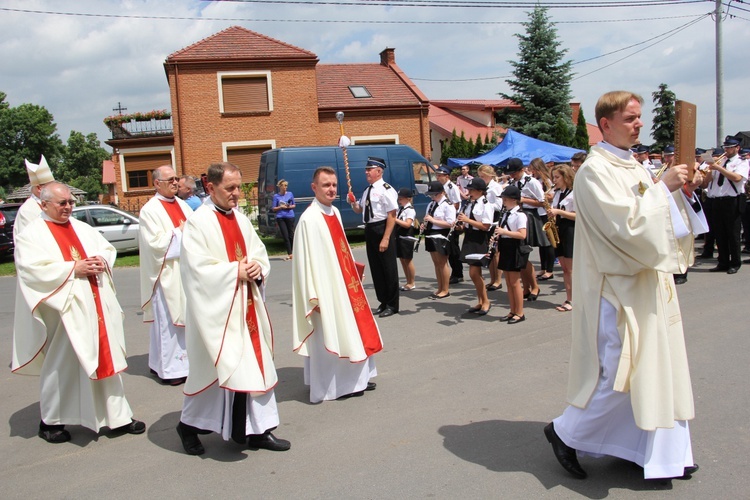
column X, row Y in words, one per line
column 719, row 159
column 550, row 227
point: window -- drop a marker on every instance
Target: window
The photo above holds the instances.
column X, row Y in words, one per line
column 375, row 139
column 359, row 91
column 248, row 159
column 138, row 167
column 103, row 217
column 245, row 92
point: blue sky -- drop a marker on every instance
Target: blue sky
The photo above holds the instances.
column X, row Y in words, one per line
column 80, row 66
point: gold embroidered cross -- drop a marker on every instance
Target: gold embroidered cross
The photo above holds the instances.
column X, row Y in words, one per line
column 353, row 285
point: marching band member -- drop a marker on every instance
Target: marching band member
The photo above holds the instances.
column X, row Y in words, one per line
column 494, row 190
column 438, row 221
column 564, row 211
column 477, row 220
column 512, row 233
column 405, row 218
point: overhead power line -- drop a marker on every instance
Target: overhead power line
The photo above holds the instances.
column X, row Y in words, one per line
column 473, row 4
column 334, row 21
column 661, row 37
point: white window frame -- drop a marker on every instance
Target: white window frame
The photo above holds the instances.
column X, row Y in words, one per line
column 271, row 143
column 368, row 139
column 135, row 152
column 240, row 74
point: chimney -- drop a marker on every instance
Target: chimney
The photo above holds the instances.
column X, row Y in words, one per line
column 388, row 57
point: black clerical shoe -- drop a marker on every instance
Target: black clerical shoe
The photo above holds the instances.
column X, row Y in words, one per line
column 267, row 441
column 688, row 472
column 371, row 386
column 134, row 427
column 733, row 270
column 455, row 279
column 380, row 309
column 351, row 395
column 53, row 433
column 190, row 441
column 387, row 312
column 681, row 280
column 564, row 453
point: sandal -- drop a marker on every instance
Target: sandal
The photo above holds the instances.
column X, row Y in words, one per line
column 565, row 307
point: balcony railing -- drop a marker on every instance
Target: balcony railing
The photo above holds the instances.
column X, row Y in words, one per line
column 134, row 129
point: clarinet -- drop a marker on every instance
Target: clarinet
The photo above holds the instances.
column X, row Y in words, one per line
column 419, row 236
column 494, row 239
column 456, row 224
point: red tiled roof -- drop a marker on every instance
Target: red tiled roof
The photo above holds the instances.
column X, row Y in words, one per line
column 480, row 104
column 386, row 88
column 595, row 135
column 446, row 121
column 237, row 43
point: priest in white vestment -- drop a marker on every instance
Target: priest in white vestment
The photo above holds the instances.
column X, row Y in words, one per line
column 333, row 327
column 629, row 386
column 65, row 275
column 161, row 221
column 40, row 175
column 224, row 264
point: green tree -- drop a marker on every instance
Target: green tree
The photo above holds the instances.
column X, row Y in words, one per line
column 478, row 146
column 27, row 131
column 541, row 83
column 563, row 133
column 662, row 130
column 81, row 165
column 581, row 136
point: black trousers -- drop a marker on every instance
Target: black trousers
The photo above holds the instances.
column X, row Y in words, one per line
column 708, row 238
column 725, row 222
column 286, row 226
column 454, row 260
column 383, row 265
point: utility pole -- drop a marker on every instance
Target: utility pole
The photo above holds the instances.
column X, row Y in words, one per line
column 719, row 77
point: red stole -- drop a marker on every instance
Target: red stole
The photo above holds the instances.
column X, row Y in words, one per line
column 174, row 211
column 368, row 330
column 72, row 250
column 236, row 251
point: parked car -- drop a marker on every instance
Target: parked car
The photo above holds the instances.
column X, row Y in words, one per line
column 120, row 228
column 8, row 212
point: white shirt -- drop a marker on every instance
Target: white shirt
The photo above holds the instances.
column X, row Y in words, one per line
column 494, row 190
column 407, row 213
column 383, row 199
column 445, row 211
column 483, row 212
column 452, row 192
column 516, row 220
column 733, row 164
column 568, row 203
column 531, row 188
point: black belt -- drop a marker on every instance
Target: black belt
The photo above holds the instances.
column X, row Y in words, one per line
column 371, row 224
column 725, row 197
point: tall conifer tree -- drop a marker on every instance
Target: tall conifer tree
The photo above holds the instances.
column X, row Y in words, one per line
column 662, row 131
column 542, row 80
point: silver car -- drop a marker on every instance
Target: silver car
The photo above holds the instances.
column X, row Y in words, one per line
column 120, row 228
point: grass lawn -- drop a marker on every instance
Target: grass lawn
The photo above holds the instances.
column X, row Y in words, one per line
column 274, row 246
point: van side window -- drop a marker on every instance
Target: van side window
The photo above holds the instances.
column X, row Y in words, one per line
column 423, row 173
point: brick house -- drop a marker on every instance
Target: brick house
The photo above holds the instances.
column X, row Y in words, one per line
column 238, row 93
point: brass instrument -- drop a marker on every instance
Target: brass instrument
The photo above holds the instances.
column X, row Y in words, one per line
column 661, row 171
column 550, row 227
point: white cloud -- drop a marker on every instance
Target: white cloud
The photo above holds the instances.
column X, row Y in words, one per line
column 81, row 67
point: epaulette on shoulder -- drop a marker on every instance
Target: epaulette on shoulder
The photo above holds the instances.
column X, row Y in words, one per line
column 387, row 186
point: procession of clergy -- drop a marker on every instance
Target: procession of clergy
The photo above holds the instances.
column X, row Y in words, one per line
column 69, row 325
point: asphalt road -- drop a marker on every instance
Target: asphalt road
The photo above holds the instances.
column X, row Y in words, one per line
column 458, row 412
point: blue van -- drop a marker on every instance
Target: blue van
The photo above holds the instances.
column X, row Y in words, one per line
column 406, row 168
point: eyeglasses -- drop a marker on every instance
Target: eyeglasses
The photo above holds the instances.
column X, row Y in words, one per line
column 169, row 180
column 65, row 203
